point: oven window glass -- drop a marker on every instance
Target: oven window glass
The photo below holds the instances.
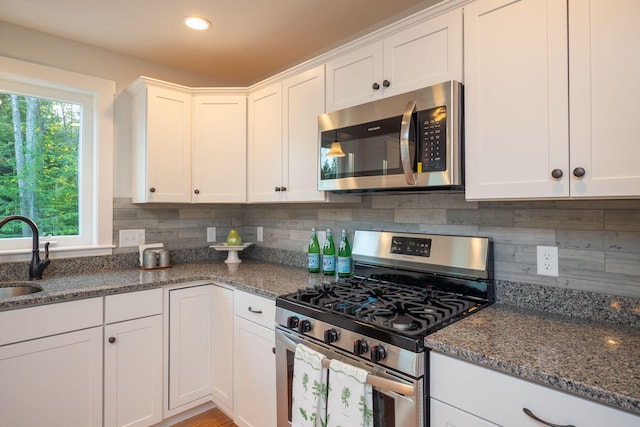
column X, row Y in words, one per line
column 370, row 149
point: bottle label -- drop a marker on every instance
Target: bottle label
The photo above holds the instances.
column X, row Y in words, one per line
column 314, row 261
column 344, row 265
column 329, row 263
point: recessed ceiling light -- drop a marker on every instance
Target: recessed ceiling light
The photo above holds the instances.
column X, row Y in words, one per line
column 196, row 22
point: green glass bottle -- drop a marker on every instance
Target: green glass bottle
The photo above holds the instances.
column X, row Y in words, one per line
column 314, row 253
column 344, row 256
column 329, row 256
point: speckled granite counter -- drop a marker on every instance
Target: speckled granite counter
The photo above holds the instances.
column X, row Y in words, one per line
column 266, row 279
column 593, row 360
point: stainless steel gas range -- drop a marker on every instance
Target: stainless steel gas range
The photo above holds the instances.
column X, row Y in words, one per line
column 405, row 286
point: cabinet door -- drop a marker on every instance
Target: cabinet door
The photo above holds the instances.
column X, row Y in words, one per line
column 168, row 151
column 223, row 348
column 605, row 97
column 219, row 149
column 190, row 344
column 54, row 381
column 516, row 98
column 350, row 77
column 303, row 102
column 255, row 374
column 425, row 54
column 133, row 372
column 443, row 415
column 265, row 144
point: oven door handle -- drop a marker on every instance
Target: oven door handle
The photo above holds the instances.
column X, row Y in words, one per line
column 382, row 383
column 405, row 155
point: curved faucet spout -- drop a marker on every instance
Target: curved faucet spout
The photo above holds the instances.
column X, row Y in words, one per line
column 36, row 267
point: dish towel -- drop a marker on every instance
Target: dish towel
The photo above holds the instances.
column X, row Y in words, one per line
column 309, row 394
column 350, row 401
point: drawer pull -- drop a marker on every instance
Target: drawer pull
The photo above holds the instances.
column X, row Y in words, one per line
column 530, row 414
column 255, row 311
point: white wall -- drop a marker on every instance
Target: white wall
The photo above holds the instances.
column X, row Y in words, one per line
column 33, row 46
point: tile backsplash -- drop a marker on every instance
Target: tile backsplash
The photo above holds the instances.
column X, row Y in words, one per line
column 598, row 241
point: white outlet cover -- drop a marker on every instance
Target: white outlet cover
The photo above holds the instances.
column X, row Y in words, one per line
column 260, row 234
column 547, row 260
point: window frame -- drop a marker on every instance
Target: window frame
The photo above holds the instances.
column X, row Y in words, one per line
column 95, row 164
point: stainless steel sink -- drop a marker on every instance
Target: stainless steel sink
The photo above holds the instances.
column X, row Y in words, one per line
column 17, row 289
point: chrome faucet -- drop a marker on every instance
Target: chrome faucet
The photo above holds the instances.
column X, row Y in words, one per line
column 36, row 267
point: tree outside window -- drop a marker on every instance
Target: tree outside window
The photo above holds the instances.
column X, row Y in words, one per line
column 39, row 152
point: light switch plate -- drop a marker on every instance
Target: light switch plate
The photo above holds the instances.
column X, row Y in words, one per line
column 211, row 234
column 260, row 234
column 130, row 238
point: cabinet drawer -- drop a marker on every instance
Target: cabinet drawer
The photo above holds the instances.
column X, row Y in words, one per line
column 44, row 320
column 500, row 398
column 255, row 308
column 132, row 305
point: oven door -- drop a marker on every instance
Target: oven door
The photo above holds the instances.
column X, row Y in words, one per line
column 391, row 409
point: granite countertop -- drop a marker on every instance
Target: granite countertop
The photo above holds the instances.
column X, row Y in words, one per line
column 593, row 360
column 265, row 279
column 597, row 361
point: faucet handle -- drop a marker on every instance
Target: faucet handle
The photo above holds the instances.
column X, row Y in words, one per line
column 46, row 252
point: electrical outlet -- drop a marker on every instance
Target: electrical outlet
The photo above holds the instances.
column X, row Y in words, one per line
column 260, row 234
column 547, row 260
column 131, row 237
column 211, row 234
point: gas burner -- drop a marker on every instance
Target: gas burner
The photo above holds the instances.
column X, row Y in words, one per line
column 402, row 322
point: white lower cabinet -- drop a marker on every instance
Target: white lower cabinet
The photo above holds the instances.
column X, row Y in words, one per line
column 133, row 359
column 470, row 395
column 55, row 380
column 190, row 347
column 255, row 396
column 223, row 348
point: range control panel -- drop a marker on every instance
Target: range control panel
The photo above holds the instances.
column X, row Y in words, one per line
column 411, row 246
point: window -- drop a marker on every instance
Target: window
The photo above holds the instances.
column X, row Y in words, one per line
column 56, row 158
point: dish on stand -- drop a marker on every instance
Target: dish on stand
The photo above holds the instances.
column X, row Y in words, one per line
column 232, row 257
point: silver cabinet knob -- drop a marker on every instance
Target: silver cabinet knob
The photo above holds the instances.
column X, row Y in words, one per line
column 578, row 172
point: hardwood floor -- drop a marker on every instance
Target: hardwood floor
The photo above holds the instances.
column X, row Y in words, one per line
column 211, row 418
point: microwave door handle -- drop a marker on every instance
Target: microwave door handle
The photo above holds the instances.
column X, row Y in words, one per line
column 405, row 155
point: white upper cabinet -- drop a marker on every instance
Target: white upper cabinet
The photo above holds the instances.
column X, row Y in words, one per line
column 423, row 54
column 219, row 149
column 265, row 144
column 605, row 97
column 549, row 97
column 283, row 140
column 161, row 144
column 188, row 146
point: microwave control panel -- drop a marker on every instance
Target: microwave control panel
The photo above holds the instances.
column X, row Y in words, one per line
column 433, row 139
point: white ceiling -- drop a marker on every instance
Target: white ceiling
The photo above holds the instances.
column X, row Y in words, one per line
column 249, row 39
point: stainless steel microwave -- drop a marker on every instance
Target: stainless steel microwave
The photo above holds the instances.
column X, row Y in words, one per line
column 411, row 141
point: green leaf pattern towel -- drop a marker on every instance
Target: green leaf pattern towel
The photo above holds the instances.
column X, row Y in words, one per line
column 309, row 389
column 350, row 400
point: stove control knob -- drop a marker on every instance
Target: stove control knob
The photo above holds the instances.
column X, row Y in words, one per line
column 304, row 326
column 330, row 335
column 292, row 322
column 378, row 353
column 360, row 347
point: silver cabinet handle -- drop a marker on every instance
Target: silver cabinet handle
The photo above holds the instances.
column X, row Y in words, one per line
column 255, row 311
column 405, row 156
column 531, row 414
